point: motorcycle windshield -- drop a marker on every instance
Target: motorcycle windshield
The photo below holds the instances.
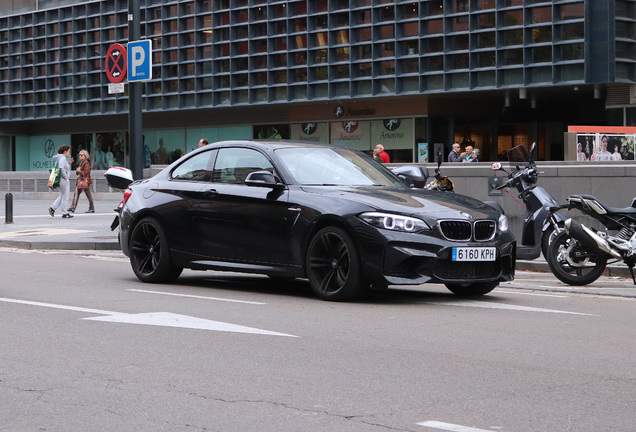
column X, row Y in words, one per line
column 519, row 154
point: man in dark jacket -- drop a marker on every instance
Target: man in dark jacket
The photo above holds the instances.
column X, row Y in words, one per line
column 454, row 155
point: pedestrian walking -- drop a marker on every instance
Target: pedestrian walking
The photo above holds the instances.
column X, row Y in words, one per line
column 83, row 182
column 65, row 170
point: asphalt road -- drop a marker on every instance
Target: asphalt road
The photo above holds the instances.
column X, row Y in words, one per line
column 85, row 346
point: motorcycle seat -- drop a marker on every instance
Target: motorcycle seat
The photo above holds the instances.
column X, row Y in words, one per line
column 610, row 210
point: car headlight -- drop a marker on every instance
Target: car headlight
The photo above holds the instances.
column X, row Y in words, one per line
column 503, row 223
column 394, row 222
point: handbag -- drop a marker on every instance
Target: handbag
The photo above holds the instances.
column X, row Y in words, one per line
column 83, row 183
column 55, row 176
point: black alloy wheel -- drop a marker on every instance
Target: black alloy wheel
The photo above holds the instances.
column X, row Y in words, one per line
column 572, row 263
column 333, row 266
column 149, row 254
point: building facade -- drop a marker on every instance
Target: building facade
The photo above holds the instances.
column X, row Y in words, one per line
column 415, row 76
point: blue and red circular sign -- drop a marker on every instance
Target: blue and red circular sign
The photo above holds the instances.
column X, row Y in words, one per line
column 116, row 65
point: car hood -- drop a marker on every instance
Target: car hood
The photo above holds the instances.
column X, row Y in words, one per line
column 412, row 202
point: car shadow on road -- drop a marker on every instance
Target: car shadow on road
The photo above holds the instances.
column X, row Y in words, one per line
column 288, row 287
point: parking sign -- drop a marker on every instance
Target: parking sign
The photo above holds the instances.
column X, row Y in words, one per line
column 140, row 60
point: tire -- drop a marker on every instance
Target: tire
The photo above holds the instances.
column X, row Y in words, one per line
column 149, row 253
column 570, row 268
column 333, row 266
column 472, row 290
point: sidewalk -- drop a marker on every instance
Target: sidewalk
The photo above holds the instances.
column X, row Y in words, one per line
column 34, row 228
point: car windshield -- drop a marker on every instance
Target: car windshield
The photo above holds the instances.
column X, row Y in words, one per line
column 334, row 166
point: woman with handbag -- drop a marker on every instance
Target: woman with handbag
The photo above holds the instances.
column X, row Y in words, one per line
column 83, row 182
column 65, row 170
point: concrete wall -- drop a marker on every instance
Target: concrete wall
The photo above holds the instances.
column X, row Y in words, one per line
column 613, row 184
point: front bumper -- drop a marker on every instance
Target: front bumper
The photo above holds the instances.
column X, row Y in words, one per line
column 413, row 259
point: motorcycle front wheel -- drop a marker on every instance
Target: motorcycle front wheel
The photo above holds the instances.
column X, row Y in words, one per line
column 572, row 263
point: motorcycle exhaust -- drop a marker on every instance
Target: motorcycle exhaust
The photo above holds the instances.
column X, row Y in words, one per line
column 589, row 238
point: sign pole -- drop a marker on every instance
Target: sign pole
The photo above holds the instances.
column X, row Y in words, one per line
column 135, row 130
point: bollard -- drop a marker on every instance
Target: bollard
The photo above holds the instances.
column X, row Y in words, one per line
column 8, row 207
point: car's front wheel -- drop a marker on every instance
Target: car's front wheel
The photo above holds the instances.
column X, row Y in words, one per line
column 471, row 289
column 149, row 254
column 333, row 266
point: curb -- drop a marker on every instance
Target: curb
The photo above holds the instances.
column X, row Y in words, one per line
column 46, row 245
column 543, row 267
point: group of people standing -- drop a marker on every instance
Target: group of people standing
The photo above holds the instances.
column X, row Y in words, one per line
column 470, row 154
column 380, row 155
column 63, row 160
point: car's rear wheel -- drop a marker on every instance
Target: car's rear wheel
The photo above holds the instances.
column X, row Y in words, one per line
column 471, row 289
column 333, row 266
column 149, row 253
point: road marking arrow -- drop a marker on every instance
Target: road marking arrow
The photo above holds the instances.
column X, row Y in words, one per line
column 163, row 319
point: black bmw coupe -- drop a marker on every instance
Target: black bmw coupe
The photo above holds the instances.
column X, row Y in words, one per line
column 301, row 210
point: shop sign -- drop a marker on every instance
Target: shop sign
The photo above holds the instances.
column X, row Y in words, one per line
column 349, row 111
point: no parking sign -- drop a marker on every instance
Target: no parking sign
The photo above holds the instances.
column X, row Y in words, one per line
column 116, row 65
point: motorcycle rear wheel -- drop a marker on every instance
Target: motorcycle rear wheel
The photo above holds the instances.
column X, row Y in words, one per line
column 572, row 263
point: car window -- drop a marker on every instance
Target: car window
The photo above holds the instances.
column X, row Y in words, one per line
column 196, row 168
column 333, row 166
column 234, row 164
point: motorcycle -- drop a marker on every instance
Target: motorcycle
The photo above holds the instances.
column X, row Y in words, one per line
column 441, row 182
column 118, row 178
column 578, row 255
column 540, row 224
column 417, row 176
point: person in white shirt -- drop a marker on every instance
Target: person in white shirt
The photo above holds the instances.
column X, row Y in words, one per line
column 65, row 186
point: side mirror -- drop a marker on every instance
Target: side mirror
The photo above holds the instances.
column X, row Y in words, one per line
column 416, row 175
column 496, row 166
column 262, row 179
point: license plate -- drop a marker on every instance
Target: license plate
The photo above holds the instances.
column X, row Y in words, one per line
column 474, row 253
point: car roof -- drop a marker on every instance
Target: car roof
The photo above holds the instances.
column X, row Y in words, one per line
column 275, row 144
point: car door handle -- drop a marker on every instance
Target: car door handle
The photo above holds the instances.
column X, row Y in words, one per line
column 210, row 193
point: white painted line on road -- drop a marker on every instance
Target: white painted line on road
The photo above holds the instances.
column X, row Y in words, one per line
column 49, row 216
column 197, row 297
column 41, row 232
column 450, row 427
column 163, row 319
column 531, row 294
column 490, row 305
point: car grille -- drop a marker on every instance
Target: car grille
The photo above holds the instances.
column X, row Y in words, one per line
column 466, row 270
column 465, row 230
column 484, row 230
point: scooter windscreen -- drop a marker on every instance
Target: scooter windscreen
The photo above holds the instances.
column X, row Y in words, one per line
column 519, row 154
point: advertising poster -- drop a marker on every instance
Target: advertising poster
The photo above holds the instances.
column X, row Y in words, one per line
column 162, row 147
column 604, row 145
column 352, row 134
column 312, row 131
column 43, row 148
column 393, row 134
column 439, row 152
column 422, row 152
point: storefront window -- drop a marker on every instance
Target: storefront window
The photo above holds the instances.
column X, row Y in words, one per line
column 476, row 135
